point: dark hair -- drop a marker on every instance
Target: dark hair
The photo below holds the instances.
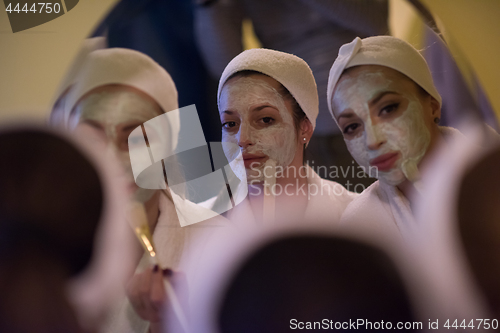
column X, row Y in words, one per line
column 478, row 214
column 312, row 277
column 51, row 198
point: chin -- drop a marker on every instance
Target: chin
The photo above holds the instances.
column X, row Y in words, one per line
column 254, row 177
column 393, row 177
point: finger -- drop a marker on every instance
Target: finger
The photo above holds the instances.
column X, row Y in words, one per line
column 167, row 272
column 177, row 277
column 133, row 293
column 145, row 291
column 158, row 295
column 131, row 289
column 178, row 281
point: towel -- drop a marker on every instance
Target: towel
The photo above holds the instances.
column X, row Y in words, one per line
column 57, row 115
column 380, row 210
column 383, row 51
column 89, row 45
column 289, row 70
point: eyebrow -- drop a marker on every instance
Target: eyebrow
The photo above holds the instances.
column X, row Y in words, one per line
column 263, row 107
column 379, row 96
column 347, row 114
column 259, row 108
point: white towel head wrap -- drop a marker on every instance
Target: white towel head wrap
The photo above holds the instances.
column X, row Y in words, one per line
column 58, row 115
column 289, row 70
column 88, row 46
column 131, row 68
column 385, row 51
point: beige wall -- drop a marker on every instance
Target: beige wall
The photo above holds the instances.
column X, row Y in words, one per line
column 34, row 61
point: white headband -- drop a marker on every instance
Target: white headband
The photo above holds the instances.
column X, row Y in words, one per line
column 89, row 45
column 289, row 70
column 384, row 51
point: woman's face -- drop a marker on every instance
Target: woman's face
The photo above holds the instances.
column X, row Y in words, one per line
column 386, row 121
column 108, row 115
column 259, row 121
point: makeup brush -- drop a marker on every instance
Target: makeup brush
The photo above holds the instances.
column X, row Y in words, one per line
column 139, row 223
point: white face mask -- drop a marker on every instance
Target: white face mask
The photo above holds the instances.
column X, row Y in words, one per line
column 269, row 132
column 381, row 135
column 113, row 111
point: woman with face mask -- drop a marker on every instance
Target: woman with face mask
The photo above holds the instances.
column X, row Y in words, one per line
column 268, row 104
column 118, row 91
column 382, row 96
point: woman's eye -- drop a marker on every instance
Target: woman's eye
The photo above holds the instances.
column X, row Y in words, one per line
column 229, row 124
column 267, row 120
column 349, row 129
column 389, row 108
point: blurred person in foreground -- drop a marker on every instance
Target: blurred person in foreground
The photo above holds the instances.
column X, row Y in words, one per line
column 458, row 219
column 57, row 212
column 277, row 280
column 479, row 225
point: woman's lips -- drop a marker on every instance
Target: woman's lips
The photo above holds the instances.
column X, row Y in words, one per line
column 385, row 162
column 250, row 159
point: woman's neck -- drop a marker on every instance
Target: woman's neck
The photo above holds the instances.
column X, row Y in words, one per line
column 290, row 193
column 406, row 188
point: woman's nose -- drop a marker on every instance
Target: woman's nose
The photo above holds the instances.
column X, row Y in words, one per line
column 375, row 137
column 244, row 136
